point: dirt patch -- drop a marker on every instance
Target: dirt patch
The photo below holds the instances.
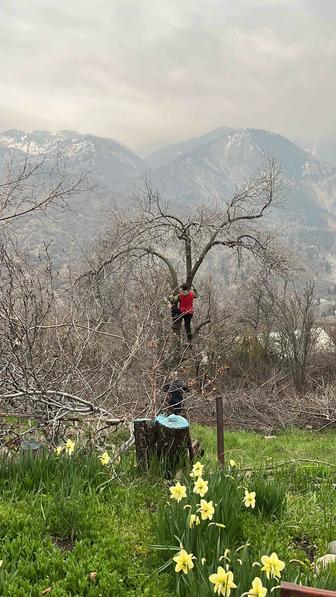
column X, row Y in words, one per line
column 63, row 543
column 307, row 546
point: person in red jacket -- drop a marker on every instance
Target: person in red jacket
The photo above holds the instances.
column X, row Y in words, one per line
column 186, row 306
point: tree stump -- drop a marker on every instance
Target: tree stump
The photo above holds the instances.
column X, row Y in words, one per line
column 144, row 436
column 31, row 448
column 168, row 440
column 173, row 441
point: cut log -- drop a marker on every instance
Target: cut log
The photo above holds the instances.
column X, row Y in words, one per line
column 173, row 442
column 167, row 438
column 144, row 436
column 31, row 448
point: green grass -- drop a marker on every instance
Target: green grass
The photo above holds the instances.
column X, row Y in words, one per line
column 107, row 525
column 109, row 520
column 252, row 449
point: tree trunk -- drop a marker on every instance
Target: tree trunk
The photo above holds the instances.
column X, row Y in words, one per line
column 172, row 438
column 168, row 440
column 144, row 435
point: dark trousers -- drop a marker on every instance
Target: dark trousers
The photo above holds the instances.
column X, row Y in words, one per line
column 176, row 320
column 175, row 401
column 187, row 324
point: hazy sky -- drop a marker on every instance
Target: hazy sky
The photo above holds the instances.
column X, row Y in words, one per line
column 143, row 71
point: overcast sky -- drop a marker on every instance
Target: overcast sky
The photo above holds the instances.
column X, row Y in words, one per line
column 144, row 71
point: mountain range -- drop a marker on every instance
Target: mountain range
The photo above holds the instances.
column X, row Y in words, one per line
column 198, row 169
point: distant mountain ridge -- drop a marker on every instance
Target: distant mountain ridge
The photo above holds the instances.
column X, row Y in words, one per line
column 169, row 153
column 199, row 169
column 216, row 168
column 108, row 162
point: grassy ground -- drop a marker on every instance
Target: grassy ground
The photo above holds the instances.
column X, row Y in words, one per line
column 66, row 527
column 252, row 449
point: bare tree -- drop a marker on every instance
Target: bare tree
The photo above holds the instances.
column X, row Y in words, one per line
column 155, row 233
column 34, row 184
column 292, row 313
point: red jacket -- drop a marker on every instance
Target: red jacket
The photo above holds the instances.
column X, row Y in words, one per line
column 186, row 302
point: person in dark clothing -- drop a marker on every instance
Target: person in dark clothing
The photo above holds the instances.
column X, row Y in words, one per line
column 186, row 305
column 175, row 389
column 176, row 314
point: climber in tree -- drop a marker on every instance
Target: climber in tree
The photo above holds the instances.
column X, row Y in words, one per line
column 186, row 306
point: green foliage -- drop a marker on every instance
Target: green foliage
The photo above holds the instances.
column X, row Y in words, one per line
column 63, row 518
column 271, row 494
column 173, row 520
column 294, row 516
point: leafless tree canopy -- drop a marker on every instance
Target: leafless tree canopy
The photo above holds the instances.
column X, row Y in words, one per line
column 99, row 348
column 156, row 233
column 28, row 187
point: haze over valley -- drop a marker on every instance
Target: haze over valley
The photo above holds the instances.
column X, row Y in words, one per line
column 198, row 170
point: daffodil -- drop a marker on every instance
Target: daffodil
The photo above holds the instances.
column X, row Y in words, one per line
column 104, row 458
column 232, row 463
column 184, row 561
column 58, row 450
column 257, row 589
column 206, row 510
column 194, row 520
column 201, row 487
column 217, row 524
column 69, row 447
column 178, row 492
column 203, row 561
column 226, row 555
column 223, row 582
column 197, row 470
column 249, row 499
column 272, row 565
column 1, row 562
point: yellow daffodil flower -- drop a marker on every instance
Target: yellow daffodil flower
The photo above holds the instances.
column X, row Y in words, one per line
column 226, row 555
column 184, row 561
column 232, row 463
column 217, row 524
column 194, row 520
column 70, row 447
column 58, row 450
column 1, row 562
column 223, row 582
column 257, row 589
column 104, row 458
column 272, row 565
column 197, row 470
column 206, row 510
column 201, row 487
column 249, row 499
column 178, row 492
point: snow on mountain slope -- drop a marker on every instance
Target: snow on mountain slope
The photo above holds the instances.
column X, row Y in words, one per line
column 212, row 165
column 112, row 173
column 106, row 161
column 217, row 168
column 169, row 153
